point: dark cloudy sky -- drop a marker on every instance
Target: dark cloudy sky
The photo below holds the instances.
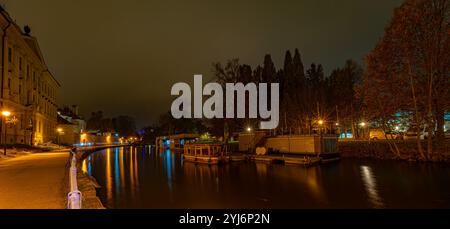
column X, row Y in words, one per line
column 122, row 57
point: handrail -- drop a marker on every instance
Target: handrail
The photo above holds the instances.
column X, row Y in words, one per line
column 74, row 196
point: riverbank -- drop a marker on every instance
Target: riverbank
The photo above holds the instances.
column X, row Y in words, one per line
column 88, row 186
column 381, row 150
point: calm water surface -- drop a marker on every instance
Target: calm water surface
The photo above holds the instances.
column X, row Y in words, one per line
column 139, row 177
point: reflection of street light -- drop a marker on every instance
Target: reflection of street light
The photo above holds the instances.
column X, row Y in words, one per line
column 5, row 114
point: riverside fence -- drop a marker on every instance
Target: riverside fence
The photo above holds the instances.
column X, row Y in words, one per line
column 74, row 196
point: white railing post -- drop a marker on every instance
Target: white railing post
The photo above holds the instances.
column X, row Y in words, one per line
column 74, row 196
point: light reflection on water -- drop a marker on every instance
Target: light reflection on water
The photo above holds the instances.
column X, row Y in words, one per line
column 139, row 177
column 109, row 189
column 371, row 187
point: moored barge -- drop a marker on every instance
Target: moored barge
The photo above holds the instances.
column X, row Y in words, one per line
column 206, row 153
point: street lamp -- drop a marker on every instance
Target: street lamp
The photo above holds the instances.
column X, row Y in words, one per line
column 363, row 125
column 59, row 133
column 249, row 129
column 320, row 122
column 5, row 114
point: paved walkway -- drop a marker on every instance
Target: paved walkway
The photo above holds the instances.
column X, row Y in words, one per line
column 35, row 181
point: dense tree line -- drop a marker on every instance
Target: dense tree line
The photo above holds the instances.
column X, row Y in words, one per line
column 123, row 125
column 305, row 96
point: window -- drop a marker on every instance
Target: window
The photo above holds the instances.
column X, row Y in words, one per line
column 20, row 63
column 9, row 83
column 20, row 89
column 9, row 55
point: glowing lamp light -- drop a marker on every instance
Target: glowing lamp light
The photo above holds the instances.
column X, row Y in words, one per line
column 59, row 130
column 337, row 124
column 363, row 124
column 6, row 113
column 320, row 122
column 397, row 128
column 249, row 129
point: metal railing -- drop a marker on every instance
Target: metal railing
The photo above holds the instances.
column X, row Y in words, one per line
column 74, row 196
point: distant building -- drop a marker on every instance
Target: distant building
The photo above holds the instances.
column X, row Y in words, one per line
column 28, row 89
column 72, row 130
column 71, row 126
column 71, row 115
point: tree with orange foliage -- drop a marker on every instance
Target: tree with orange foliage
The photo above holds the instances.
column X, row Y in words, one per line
column 409, row 68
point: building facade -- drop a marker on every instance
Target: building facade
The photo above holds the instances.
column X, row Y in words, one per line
column 71, row 126
column 28, row 89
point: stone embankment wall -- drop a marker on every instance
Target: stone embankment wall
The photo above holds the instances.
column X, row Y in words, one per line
column 381, row 150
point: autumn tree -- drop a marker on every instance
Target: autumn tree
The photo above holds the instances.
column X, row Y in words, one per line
column 409, row 68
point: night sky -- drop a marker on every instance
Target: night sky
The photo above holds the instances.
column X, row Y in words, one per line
column 122, row 57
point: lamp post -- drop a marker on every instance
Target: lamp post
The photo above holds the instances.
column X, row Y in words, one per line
column 363, row 126
column 320, row 123
column 59, row 133
column 5, row 114
column 252, row 139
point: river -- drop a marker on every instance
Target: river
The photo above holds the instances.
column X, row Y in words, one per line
column 140, row 177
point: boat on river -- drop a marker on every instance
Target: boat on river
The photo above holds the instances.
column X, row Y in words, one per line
column 207, row 153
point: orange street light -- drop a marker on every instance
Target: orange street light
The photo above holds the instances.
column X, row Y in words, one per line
column 5, row 114
column 320, row 122
column 60, row 131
